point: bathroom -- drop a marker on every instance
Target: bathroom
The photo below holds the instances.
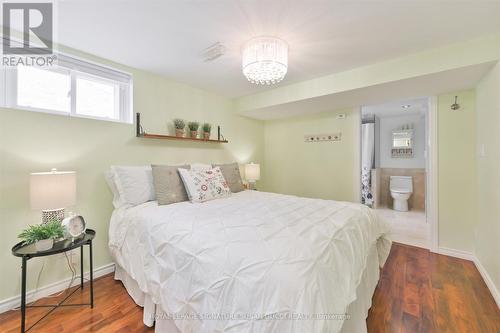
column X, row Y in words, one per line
column 394, row 164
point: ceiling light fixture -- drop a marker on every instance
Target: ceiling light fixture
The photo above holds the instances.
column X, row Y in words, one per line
column 265, row 60
column 407, row 106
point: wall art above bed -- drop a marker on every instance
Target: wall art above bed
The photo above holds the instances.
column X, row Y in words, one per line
column 323, row 137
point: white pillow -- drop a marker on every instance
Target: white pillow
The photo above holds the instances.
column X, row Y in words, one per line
column 200, row 166
column 117, row 201
column 204, row 185
column 134, row 184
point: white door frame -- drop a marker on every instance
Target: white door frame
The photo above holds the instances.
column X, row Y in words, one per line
column 431, row 183
column 432, row 206
column 357, row 155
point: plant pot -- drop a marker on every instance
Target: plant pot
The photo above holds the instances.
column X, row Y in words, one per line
column 44, row 244
column 194, row 134
column 179, row 132
column 206, row 135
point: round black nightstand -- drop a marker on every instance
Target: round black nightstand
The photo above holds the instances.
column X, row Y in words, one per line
column 26, row 252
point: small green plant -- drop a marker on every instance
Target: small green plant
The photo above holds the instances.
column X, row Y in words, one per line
column 193, row 125
column 179, row 123
column 206, row 127
column 52, row 229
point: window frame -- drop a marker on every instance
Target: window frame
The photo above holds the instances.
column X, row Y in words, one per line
column 120, row 100
column 11, row 95
column 74, row 67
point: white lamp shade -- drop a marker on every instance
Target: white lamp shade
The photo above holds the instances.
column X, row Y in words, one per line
column 52, row 190
column 252, row 172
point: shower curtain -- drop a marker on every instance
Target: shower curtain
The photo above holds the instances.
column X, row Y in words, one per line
column 367, row 161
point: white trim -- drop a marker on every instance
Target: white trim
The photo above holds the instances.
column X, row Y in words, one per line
column 72, row 93
column 456, row 253
column 487, row 279
column 76, row 67
column 93, row 69
column 3, row 85
column 70, row 57
column 67, row 114
column 432, row 213
column 109, row 68
column 31, row 296
column 10, row 86
column 357, row 155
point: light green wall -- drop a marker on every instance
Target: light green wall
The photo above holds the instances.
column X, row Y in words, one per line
column 331, row 170
column 326, row 170
column 487, row 238
column 32, row 141
column 457, row 171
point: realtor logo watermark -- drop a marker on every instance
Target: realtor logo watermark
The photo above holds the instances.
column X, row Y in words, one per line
column 27, row 33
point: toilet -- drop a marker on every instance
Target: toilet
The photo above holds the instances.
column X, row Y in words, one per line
column 401, row 188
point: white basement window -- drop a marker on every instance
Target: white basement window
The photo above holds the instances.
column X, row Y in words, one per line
column 74, row 88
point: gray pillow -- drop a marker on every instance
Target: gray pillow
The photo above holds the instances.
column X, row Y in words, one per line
column 231, row 173
column 169, row 187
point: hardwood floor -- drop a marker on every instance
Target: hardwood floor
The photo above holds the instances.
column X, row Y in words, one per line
column 114, row 311
column 418, row 292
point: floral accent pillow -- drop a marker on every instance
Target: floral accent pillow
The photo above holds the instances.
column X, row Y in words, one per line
column 204, row 185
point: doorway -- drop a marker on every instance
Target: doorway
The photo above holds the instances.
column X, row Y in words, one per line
column 398, row 173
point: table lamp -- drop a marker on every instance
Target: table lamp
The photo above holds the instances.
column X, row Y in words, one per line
column 51, row 192
column 252, row 174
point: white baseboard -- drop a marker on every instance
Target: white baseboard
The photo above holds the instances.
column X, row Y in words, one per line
column 33, row 295
column 456, row 253
column 489, row 282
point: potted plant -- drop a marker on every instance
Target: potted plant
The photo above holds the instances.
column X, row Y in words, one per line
column 193, row 128
column 206, row 130
column 42, row 235
column 179, row 125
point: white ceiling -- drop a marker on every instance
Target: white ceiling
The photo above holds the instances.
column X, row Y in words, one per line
column 168, row 36
column 417, row 106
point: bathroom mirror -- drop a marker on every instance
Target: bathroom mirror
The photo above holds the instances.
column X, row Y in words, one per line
column 402, row 139
column 402, row 144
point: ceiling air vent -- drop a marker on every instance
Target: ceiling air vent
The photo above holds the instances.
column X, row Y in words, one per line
column 213, row 52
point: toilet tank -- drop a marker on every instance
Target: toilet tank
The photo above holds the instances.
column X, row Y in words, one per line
column 401, row 183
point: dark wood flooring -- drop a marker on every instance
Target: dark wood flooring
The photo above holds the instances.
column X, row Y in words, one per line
column 418, row 292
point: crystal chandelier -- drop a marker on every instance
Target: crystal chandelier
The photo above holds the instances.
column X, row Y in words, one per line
column 265, row 60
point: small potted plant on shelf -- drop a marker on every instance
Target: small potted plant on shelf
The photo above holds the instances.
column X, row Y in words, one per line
column 206, row 130
column 42, row 235
column 193, row 128
column 179, row 125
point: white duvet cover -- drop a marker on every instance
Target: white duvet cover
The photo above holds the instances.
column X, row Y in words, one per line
column 253, row 262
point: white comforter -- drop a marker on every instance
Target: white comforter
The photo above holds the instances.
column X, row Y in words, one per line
column 255, row 258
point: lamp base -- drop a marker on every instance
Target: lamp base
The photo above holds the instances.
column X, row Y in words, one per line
column 251, row 186
column 51, row 215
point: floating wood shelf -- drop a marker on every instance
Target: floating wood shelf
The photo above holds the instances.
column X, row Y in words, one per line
column 141, row 134
column 172, row 137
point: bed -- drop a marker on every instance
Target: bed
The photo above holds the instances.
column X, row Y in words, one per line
column 252, row 262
